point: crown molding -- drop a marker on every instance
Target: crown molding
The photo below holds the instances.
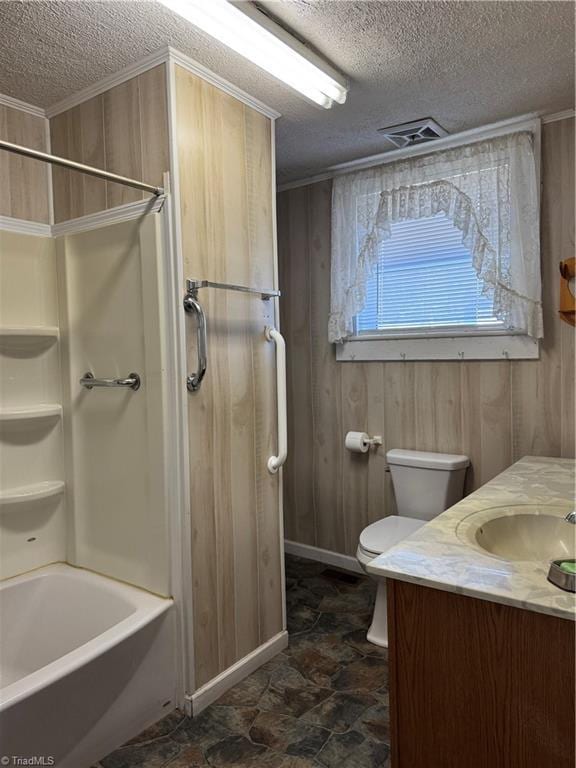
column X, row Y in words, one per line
column 117, row 78
column 530, row 121
column 164, row 55
column 177, row 57
column 22, row 106
column 566, row 114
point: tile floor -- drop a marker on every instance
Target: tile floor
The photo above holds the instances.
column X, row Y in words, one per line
column 323, row 703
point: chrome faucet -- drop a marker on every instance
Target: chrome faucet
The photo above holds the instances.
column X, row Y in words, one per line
column 571, row 517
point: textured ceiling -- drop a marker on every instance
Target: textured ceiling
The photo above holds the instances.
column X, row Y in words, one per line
column 463, row 63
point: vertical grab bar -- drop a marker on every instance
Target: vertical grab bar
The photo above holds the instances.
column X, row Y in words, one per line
column 275, row 462
column 193, row 306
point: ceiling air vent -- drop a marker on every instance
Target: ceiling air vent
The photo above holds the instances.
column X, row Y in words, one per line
column 416, row 132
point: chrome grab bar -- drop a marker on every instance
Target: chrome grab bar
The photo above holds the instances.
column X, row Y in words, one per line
column 132, row 381
column 193, row 306
column 264, row 293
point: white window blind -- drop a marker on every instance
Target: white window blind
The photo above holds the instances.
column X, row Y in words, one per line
column 424, row 281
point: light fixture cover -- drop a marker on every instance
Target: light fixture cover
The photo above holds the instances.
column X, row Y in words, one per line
column 256, row 37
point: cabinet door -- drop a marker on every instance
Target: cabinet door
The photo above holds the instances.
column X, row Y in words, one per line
column 477, row 684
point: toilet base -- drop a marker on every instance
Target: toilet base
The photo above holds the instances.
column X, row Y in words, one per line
column 378, row 632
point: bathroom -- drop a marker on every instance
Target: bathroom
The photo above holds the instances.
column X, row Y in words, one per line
column 287, row 384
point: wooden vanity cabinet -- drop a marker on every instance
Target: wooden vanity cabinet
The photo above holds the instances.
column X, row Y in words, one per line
column 474, row 684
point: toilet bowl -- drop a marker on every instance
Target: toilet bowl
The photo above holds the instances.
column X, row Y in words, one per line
column 425, row 484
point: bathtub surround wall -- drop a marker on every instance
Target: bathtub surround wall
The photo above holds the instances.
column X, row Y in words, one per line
column 32, row 502
column 495, row 412
column 112, row 324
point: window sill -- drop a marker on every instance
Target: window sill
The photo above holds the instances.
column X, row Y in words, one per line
column 465, row 347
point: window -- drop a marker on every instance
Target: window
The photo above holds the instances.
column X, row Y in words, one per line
column 435, row 254
column 425, row 282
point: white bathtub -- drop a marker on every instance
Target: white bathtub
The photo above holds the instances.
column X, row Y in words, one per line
column 85, row 664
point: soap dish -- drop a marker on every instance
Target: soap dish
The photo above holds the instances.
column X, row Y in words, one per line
column 562, row 574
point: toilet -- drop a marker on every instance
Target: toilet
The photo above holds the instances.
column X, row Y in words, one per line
column 425, row 484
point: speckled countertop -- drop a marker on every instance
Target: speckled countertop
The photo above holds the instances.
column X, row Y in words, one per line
column 439, row 556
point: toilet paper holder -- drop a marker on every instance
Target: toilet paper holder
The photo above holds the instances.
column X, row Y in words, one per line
column 361, row 442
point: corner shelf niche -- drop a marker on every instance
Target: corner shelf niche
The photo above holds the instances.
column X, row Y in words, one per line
column 29, row 412
column 33, row 492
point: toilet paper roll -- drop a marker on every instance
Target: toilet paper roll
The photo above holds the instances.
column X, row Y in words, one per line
column 357, row 442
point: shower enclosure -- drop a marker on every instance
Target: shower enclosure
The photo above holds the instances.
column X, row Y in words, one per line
column 141, row 546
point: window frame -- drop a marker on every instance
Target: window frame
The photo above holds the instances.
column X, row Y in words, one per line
column 481, row 343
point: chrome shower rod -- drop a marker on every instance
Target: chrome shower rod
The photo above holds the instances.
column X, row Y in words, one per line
column 45, row 157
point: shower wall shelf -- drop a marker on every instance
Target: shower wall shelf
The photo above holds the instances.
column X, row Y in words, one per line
column 26, row 413
column 18, row 335
column 34, row 492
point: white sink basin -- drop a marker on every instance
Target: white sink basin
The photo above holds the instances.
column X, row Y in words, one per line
column 530, row 532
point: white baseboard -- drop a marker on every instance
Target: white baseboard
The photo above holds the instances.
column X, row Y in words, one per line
column 208, row 694
column 346, row 562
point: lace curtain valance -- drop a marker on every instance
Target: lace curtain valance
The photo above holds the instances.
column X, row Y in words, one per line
column 488, row 190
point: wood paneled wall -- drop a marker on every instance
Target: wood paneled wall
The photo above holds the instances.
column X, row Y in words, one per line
column 493, row 411
column 124, row 130
column 24, row 187
column 225, row 160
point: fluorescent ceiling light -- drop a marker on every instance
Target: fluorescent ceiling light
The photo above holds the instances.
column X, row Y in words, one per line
column 262, row 47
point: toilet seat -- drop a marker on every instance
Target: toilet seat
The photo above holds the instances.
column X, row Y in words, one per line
column 386, row 533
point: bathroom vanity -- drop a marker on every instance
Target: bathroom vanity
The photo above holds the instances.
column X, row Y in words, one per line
column 481, row 644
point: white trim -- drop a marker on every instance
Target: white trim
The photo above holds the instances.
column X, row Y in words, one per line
column 465, row 347
column 22, row 106
column 110, row 216
column 183, row 536
column 206, row 695
column 528, row 122
column 224, row 85
column 117, row 78
column 277, row 325
column 346, row 562
column 164, row 55
column 566, row 114
column 23, row 227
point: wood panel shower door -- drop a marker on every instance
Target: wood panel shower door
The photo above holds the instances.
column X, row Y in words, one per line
column 225, row 162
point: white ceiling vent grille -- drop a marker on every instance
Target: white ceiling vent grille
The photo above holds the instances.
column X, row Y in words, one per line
column 416, row 132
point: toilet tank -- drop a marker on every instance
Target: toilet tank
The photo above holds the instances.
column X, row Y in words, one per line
column 426, row 483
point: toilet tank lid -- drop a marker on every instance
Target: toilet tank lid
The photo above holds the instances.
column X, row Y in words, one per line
column 427, row 459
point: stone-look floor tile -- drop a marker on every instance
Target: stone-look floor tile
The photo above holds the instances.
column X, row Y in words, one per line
column 163, row 727
column 341, row 711
column 322, row 703
column 315, row 666
column 358, row 640
column 283, row 733
column 301, row 618
column 368, row 674
column 236, row 751
column 374, row 723
column 247, row 693
column 293, row 701
column 341, row 624
column 189, row 757
column 153, row 754
column 330, row 645
column 347, row 603
column 352, row 750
